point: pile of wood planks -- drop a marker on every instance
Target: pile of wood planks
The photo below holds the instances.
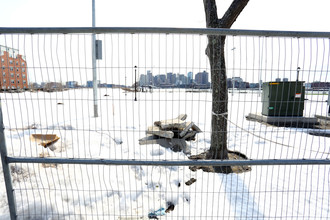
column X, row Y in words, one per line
column 172, row 133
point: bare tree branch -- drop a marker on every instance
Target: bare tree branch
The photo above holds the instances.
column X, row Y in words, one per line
column 228, row 19
column 232, row 13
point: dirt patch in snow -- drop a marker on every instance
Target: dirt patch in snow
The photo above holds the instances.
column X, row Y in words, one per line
column 233, row 155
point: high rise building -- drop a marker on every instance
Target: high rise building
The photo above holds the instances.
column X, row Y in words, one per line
column 143, row 80
column 171, row 78
column 13, row 69
column 190, row 77
column 182, row 79
column 202, row 78
column 149, row 78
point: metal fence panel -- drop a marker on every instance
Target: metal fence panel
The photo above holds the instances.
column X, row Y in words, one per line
column 101, row 167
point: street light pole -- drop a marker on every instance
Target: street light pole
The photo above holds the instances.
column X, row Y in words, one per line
column 94, row 62
column 233, row 86
column 329, row 103
column 135, row 83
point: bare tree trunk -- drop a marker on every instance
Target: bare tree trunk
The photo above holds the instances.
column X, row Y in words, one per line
column 215, row 53
column 218, row 149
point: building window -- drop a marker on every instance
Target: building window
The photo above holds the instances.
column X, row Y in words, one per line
column 12, row 81
column 11, row 61
column 17, row 75
column 12, row 74
column 23, row 63
column 4, row 74
column 23, row 76
column 11, row 68
column 4, row 81
column 3, row 67
column 2, row 60
column 17, row 81
column 16, row 62
column 17, row 69
column 23, row 69
column 24, row 82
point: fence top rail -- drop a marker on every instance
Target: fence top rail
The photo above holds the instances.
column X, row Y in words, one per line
column 160, row 30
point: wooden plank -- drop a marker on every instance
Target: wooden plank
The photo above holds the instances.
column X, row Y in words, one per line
column 327, row 118
column 190, row 134
column 150, row 139
column 157, row 131
column 196, row 128
column 175, row 123
column 186, row 129
column 182, row 117
column 171, row 124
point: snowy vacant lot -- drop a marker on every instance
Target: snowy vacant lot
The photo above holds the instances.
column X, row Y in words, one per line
column 119, row 192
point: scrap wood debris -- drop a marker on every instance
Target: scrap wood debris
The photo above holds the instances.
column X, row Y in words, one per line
column 172, row 133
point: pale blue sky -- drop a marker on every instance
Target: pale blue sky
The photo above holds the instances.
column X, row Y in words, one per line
column 302, row 15
column 295, row 15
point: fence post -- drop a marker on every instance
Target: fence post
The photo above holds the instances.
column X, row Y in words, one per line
column 6, row 170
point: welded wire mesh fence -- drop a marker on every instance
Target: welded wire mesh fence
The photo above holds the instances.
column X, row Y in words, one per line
column 277, row 116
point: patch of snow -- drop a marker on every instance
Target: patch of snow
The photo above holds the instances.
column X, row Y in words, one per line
column 85, row 191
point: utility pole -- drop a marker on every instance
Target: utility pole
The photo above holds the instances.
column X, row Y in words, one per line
column 94, row 63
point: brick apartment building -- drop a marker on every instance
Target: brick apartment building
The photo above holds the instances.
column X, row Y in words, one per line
column 13, row 73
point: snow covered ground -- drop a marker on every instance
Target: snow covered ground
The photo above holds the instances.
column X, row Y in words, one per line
column 110, row 192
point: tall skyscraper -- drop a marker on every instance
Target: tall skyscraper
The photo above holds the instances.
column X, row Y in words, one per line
column 149, row 78
column 190, row 77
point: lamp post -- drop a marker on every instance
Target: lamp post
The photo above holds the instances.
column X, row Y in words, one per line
column 135, row 83
column 329, row 103
column 233, row 84
column 94, row 63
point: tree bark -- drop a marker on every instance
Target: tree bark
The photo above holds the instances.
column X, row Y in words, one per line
column 215, row 52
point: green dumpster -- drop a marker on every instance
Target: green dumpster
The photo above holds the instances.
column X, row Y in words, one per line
column 283, row 98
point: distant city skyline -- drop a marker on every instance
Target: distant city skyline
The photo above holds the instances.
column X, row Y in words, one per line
column 174, row 79
column 236, row 83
